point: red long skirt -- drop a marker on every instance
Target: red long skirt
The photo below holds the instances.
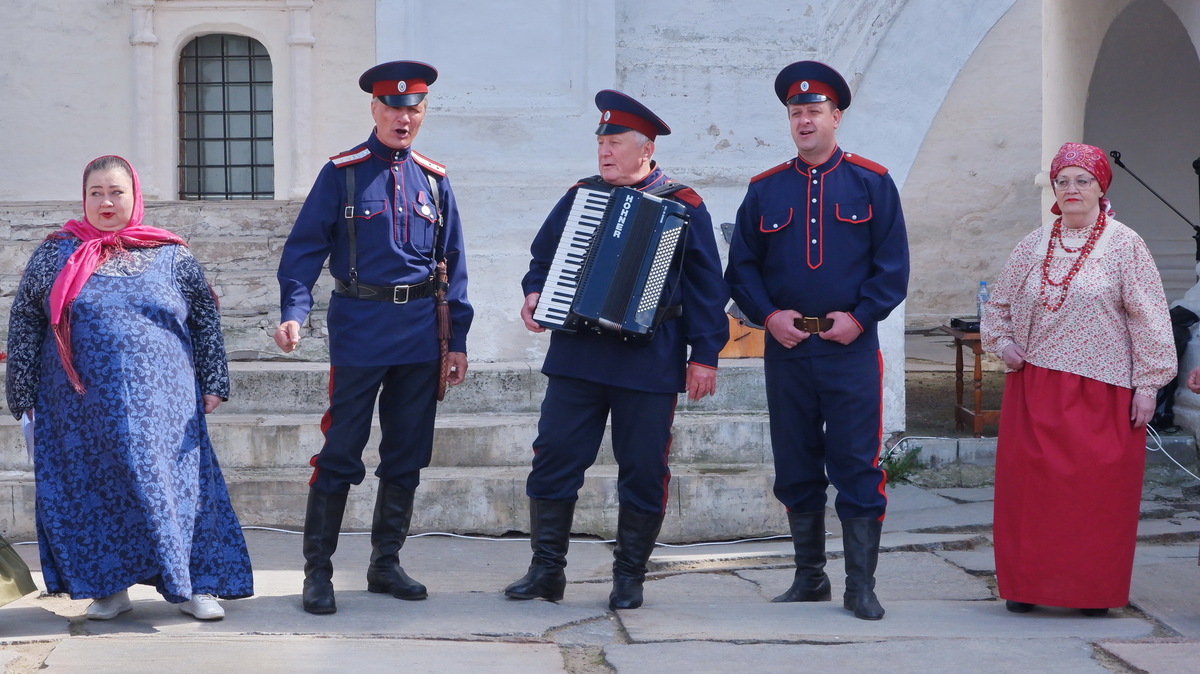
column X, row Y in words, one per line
column 1069, row 470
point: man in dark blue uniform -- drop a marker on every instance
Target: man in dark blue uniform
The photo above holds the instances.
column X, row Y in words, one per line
column 592, row 376
column 820, row 257
column 383, row 216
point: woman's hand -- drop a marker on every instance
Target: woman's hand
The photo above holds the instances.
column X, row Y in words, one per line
column 1013, row 356
column 210, row 402
column 1141, row 410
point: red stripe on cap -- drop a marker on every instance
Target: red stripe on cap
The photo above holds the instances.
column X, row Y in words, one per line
column 812, row 87
column 631, row 121
column 393, row 88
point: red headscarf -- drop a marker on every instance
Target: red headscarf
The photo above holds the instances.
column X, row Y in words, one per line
column 96, row 248
column 1089, row 158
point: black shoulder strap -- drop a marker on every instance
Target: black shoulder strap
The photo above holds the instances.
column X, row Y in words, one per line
column 437, row 208
column 595, row 181
column 349, row 215
column 667, row 189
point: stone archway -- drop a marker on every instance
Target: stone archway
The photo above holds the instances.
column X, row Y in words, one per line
column 1143, row 101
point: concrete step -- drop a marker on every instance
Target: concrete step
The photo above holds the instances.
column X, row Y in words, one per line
column 705, row 503
column 293, row 386
column 465, row 440
column 938, row 452
column 298, row 387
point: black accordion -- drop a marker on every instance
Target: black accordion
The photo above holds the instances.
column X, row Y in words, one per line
column 610, row 269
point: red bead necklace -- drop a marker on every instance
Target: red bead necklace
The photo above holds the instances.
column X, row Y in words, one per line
column 1065, row 283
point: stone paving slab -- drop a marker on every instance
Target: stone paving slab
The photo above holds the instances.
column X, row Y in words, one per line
column 1158, row 656
column 1169, row 591
column 981, row 561
column 901, row 576
column 782, row 552
column 967, row 494
column 919, row 656
column 1169, row 530
column 949, row 517
column 294, row 655
column 829, row 622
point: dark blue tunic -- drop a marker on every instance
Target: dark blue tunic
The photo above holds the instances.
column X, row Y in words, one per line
column 394, row 227
column 660, row 365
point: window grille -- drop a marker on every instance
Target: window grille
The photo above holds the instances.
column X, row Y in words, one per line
column 225, row 125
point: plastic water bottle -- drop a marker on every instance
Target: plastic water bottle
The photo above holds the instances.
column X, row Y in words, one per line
column 981, row 298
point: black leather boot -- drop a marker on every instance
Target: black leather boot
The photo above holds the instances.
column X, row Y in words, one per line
column 860, row 537
column 322, row 523
column 636, row 533
column 808, row 538
column 389, row 529
column 549, row 536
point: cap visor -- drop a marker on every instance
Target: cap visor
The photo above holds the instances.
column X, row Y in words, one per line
column 611, row 129
column 807, row 98
column 402, row 100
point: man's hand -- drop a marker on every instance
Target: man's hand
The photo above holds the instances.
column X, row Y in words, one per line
column 782, row 326
column 458, row 368
column 1013, row 356
column 701, row 381
column 1193, row 380
column 531, row 301
column 287, row 336
column 844, row 330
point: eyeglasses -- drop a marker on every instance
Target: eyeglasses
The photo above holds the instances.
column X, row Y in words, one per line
column 1080, row 184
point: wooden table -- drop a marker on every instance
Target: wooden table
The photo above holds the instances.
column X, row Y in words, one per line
column 975, row 415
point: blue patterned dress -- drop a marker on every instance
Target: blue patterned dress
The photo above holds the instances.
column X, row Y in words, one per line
column 128, row 486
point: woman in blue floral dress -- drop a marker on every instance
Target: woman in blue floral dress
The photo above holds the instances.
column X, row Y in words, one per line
column 115, row 340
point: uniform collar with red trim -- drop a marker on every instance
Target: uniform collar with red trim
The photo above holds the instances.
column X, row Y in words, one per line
column 384, row 152
column 827, row 165
column 653, row 179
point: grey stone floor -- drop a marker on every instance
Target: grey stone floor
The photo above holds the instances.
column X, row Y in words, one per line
column 707, row 610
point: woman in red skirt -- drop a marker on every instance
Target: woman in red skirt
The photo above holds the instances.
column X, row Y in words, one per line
column 1079, row 317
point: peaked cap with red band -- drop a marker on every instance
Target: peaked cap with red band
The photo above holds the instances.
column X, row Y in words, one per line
column 811, row 82
column 620, row 113
column 398, row 83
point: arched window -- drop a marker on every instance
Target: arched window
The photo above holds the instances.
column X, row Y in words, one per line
column 225, row 147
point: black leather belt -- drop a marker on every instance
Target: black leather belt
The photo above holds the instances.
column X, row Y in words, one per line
column 814, row 324
column 393, row 294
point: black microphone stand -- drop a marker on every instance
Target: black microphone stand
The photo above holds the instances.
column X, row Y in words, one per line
column 1182, row 319
column 1116, row 156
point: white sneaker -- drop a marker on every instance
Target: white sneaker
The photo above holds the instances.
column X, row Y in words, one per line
column 109, row 607
column 203, row 607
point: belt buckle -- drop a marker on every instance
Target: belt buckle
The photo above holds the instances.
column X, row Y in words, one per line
column 396, row 294
column 812, row 324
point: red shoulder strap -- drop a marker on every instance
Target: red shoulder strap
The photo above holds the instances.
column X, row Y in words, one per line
column 773, row 170
column 865, row 163
column 689, row 196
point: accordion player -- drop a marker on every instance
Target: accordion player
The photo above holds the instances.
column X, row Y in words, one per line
column 610, row 269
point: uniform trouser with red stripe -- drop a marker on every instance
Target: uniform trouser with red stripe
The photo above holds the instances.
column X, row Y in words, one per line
column 571, row 428
column 407, row 405
column 826, row 427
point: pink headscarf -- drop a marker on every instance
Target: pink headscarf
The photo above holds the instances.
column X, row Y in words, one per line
column 1089, row 158
column 96, row 248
